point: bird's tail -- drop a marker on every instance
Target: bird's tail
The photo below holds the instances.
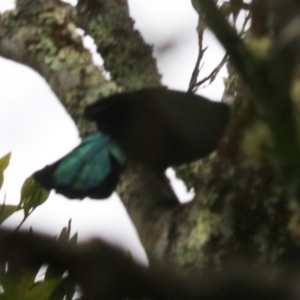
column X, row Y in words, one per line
column 91, row 170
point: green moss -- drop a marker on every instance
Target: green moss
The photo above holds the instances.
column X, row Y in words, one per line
column 206, row 225
column 257, row 144
column 259, row 46
column 57, row 15
column 128, row 59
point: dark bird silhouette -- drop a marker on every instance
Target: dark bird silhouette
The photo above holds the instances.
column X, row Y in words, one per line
column 154, row 126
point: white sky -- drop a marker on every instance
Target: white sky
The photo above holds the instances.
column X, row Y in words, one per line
column 36, row 128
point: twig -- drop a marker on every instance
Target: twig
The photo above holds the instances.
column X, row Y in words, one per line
column 212, row 76
column 247, row 19
column 201, row 52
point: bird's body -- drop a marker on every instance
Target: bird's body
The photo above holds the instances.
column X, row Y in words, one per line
column 159, row 127
column 155, row 126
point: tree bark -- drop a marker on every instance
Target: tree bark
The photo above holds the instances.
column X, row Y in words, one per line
column 246, row 202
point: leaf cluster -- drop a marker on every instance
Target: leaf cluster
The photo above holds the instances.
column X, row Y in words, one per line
column 42, row 282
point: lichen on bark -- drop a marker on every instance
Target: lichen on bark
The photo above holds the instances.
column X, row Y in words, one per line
column 126, row 55
column 246, row 201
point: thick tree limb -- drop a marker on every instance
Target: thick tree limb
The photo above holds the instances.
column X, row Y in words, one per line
column 42, row 35
column 104, row 272
column 130, row 62
column 126, row 55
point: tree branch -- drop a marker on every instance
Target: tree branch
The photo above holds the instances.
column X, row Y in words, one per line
column 126, row 56
column 43, row 37
column 269, row 85
column 104, row 272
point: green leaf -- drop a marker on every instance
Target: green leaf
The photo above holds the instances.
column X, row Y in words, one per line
column 74, row 238
column 42, row 290
column 64, row 291
column 53, row 272
column 27, row 282
column 4, row 162
column 32, row 195
column 65, row 232
column 6, row 211
column 65, row 236
column 9, row 284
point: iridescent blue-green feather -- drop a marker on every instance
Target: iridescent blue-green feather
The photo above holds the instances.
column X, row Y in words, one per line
column 90, row 170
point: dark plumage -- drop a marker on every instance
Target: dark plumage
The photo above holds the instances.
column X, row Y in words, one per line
column 155, row 126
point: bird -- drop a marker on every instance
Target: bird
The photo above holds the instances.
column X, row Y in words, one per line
column 155, row 126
